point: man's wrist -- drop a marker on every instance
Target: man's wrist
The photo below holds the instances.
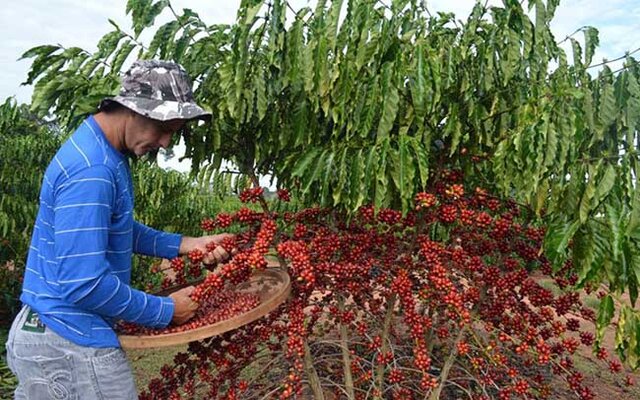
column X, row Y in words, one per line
column 186, row 245
column 168, row 311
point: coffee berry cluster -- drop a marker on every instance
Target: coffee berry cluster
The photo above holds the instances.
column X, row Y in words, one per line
column 445, row 301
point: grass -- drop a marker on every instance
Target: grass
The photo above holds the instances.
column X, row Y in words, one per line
column 606, row 384
column 592, row 302
column 550, row 285
column 146, row 363
column 8, row 382
column 4, row 334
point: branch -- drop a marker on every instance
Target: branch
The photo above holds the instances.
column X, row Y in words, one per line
column 312, row 374
column 265, row 368
column 256, row 183
column 177, row 17
column 379, row 379
column 295, row 14
column 573, row 33
column 499, row 113
column 346, row 360
column 228, row 171
column 435, row 395
column 615, row 59
column 608, row 158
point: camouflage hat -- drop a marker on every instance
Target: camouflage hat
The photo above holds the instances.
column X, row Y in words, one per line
column 159, row 90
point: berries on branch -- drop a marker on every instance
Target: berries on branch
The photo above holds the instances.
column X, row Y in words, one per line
column 251, row 195
column 461, row 259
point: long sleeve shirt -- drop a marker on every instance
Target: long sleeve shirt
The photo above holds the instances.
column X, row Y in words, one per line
column 79, row 263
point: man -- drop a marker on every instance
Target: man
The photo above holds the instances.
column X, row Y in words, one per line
column 76, row 285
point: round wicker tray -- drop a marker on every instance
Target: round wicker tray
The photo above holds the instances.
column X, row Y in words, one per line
column 272, row 286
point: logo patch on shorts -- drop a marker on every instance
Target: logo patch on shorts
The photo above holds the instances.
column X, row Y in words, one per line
column 33, row 323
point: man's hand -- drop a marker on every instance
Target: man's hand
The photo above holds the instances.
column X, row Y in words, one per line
column 184, row 308
column 218, row 254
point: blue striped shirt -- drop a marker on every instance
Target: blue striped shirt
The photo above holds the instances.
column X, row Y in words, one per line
column 79, row 263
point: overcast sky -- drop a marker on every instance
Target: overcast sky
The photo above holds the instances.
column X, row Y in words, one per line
column 28, row 23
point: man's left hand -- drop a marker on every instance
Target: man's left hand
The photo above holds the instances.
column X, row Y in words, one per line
column 218, row 255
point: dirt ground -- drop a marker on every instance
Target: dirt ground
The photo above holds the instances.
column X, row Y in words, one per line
column 605, row 384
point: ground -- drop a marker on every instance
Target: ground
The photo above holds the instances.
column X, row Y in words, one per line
column 605, row 384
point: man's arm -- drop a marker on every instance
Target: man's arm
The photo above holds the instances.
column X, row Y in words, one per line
column 151, row 242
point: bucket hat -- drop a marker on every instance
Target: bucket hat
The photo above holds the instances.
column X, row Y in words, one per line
column 160, row 90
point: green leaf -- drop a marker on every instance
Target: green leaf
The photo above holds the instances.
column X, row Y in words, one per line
column 633, row 225
column 589, row 110
column 607, row 107
column 332, row 23
column 43, row 62
column 418, row 83
column 370, row 171
column 614, row 221
column 552, row 145
column 577, row 52
column 108, row 43
column 356, row 174
column 586, row 201
column 541, row 16
column 632, row 258
column 342, row 177
column 144, row 13
column 303, row 164
column 558, row 237
column 261, row 96
column 591, row 42
column 251, row 13
column 422, row 159
column 542, row 195
column 122, row 55
column 162, row 39
column 453, row 130
column 403, row 172
column 381, row 176
column 326, row 168
column 390, row 103
column 42, row 51
column 603, row 319
column 606, row 183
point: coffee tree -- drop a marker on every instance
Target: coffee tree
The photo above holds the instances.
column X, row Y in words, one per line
column 359, row 106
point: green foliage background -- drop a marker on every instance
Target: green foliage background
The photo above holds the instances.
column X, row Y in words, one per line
column 27, row 145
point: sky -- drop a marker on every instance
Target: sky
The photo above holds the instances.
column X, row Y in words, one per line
column 28, row 23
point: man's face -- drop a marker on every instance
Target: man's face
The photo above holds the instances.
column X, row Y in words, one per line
column 144, row 135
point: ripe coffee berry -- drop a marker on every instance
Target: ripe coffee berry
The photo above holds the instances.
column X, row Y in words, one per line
column 251, row 195
column 283, row 195
column 196, row 256
column 448, row 213
column 424, row 200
